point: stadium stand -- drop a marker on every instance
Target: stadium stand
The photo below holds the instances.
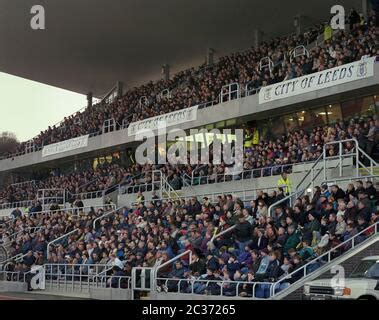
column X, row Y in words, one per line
column 253, row 247
column 203, row 86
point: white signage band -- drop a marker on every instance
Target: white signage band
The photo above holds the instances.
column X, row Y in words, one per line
column 319, row 80
column 171, row 119
column 64, row 146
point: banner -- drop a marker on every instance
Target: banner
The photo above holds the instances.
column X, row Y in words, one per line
column 64, row 146
column 171, row 119
column 320, row 80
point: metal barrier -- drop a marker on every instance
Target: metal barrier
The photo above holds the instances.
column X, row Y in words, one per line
column 298, row 52
column 14, row 276
column 329, row 256
column 57, row 240
column 244, row 175
column 249, row 91
column 171, row 261
column 14, row 236
column 56, row 195
column 243, row 194
column 29, row 146
column 25, row 183
column 155, row 184
column 216, row 288
column 356, row 153
column 142, row 280
column 16, row 258
column 109, row 125
column 266, row 62
column 82, row 277
column 19, row 204
column 230, row 92
column 104, row 215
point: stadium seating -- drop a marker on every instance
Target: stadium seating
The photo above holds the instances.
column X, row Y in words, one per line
column 236, row 248
column 202, row 86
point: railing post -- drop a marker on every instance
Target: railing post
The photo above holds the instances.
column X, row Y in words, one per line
column 340, row 158
column 356, row 158
column 324, row 161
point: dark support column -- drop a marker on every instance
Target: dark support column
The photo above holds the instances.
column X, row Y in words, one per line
column 166, row 72
column 365, row 8
column 89, row 99
column 297, row 24
column 258, row 35
column 210, row 56
column 119, row 88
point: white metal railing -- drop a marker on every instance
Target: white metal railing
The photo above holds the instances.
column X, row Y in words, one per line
column 19, row 204
column 24, row 183
column 83, row 277
column 247, row 194
column 215, row 236
column 330, row 255
column 244, row 175
column 266, row 62
column 14, row 276
column 113, row 211
column 109, row 125
column 299, row 51
column 16, row 258
column 258, row 289
column 155, row 184
column 156, row 269
column 14, row 236
column 48, row 195
column 230, row 92
column 89, row 195
column 76, row 210
column 214, row 287
column 53, row 242
column 249, row 91
column 356, row 153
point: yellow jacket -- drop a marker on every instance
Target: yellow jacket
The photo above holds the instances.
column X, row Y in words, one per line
column 285, row 184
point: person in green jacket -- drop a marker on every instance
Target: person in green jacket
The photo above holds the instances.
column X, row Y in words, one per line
column 293, row 239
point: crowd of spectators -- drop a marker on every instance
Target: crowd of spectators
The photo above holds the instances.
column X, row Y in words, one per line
column 261, row 248
column 269, row 156
column 204, row 84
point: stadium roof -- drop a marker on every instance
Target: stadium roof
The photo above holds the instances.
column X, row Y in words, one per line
column 90, row 44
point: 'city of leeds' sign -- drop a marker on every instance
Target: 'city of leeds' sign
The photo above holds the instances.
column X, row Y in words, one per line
column 319, row 80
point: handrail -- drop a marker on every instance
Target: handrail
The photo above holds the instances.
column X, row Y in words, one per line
column 328, row 254
column 196, row 169
column 18, row 204
column 216, row 236
column 169, row 186
column 58, row 239
column 75, row 208
column 16, row 258
column 310, row 170
column 36, row 229
column 214, row 194
column 157, row 268
column 242, row 174
column 221, row 283
column 104, row 215
column 289, row 197
column 24, row 183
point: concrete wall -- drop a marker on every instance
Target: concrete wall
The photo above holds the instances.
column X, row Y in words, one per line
column 229, row 110
column 10, row 286
column 110, row 294
column 241, row 188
